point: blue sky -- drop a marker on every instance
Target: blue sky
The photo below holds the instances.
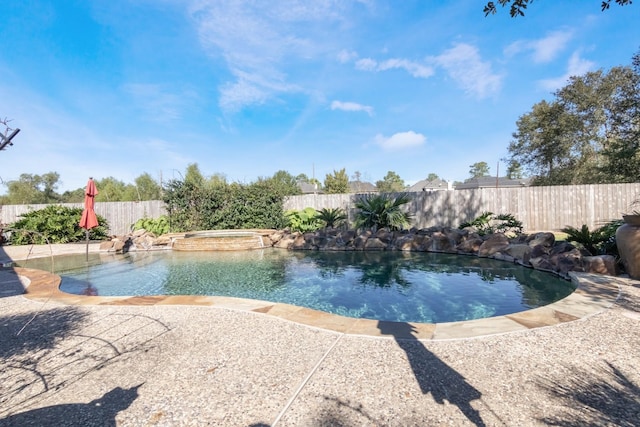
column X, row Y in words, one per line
column 247, row 88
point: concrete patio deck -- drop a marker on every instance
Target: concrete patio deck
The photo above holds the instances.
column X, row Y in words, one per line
column 172, row 361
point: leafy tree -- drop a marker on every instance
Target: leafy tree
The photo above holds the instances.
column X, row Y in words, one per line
column 479, row 169
column 588, row 134
column 193, row 175
column 73, row 196
column 391, row 183
column 382, row 210
column 218, row 179
column 34, row 189
column 514, row 170
column 111, row 189
column 517, row 7
column 286, row 183
column 432, row 177
column 148, row 188
column 336, row 183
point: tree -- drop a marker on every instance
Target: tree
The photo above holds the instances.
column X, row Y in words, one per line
column 193, row 175
column 286, row 183
column 588, row 134
column 432, row 177
column 148, row 188
column 479, row 170
column 111, row 189
column 391, row 183
column 218, row 180
column 29, row 188
column 514, row 170
column 336, row 183
column 542, row 144
column 517, row 7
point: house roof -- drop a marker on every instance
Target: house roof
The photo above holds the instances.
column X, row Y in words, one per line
column 362, row 187
column 424, row 185
column 492, row 182
column 307, row 188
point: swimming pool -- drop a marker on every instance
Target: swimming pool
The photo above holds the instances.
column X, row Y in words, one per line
column 391, row 286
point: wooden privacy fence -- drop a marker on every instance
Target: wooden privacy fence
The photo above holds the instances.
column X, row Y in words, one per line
column 539, row 208
column 120, row 215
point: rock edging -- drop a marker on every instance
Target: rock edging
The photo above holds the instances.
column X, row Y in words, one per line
column 539, row 250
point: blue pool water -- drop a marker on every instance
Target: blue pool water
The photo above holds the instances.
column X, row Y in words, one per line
column 392, row 286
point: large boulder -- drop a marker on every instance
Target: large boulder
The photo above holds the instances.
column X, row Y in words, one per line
column 600, row 264
column 470, row 245
column 440, row 242
column 544, row 239
column 493, row 243
column 375, row 244
column 520, row 251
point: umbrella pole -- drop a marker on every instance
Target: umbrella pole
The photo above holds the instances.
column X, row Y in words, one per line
column 87, row 250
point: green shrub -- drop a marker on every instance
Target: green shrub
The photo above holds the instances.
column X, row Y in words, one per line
column 54, row 224
column 601, row 241
column 488, row 223
column 331, row 217
column 157, row 226
column 225, row 206
column 304, row 221
column 382, row 211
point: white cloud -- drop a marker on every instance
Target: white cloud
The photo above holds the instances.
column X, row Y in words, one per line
column 366, row 64
column 158, row 103
column 413, row 68
column 351, row 106
column 400, row 140
column 465, row 66
column 576, row 67
column 345, row 56
column 257, row 39
column 543, row 50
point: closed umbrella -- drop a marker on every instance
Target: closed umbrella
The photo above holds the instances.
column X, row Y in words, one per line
column 89, row 219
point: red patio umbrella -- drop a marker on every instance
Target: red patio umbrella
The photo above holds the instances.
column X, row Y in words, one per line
column 89, row 219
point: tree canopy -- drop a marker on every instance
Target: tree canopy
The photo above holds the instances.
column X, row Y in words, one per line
column 337, row 182
column 42, row 189
column 479, row 169
column 517, row 7
column 391, row 183
column 590, row 132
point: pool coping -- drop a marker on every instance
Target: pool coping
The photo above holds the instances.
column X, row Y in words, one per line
column 594, row 294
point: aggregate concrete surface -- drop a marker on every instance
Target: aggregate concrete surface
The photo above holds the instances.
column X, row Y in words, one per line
column 186, row 365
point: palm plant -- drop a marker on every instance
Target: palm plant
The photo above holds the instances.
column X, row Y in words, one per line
column 382, row 211
column 331, row 217
column 590, row 240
